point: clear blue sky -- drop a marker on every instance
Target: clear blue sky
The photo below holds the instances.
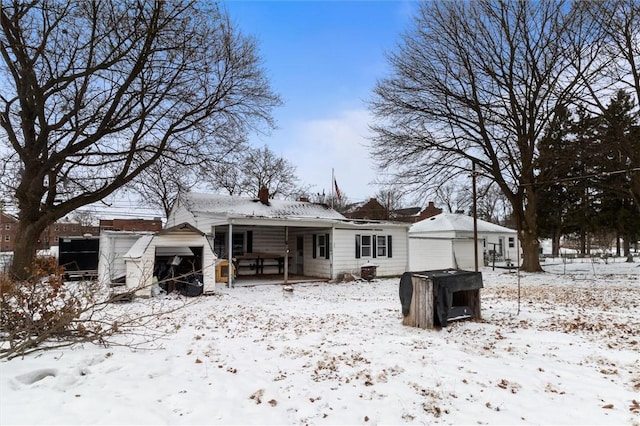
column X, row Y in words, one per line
column 324, row 58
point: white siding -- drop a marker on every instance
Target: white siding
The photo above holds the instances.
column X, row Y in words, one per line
column 344, row 252
column 320, row 266
column 113, row 246
column 179, row 215
column 441, row 253
column 426, row 254
column 464, row 257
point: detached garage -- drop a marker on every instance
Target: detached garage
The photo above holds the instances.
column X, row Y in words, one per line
column 175, row 256
column 446, row 241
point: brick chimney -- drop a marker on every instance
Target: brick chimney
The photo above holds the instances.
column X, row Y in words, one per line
column 263, row 195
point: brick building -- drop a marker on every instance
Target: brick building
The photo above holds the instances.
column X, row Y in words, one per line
column 8, row 228
column 152, row 225
column 371, row 210
column 374, row 210
column 63, row 228
column 52, row 233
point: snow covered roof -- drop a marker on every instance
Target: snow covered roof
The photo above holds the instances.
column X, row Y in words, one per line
column 231, row 206
column 456, row 222
column 138, row 248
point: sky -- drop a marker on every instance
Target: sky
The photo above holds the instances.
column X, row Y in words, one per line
column 330, row 354
column 324, row 58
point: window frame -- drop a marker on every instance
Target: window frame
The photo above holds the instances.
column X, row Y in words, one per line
column 368, row 247
column 381, row 245
column 322, row 245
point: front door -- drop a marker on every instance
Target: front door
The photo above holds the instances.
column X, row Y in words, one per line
column 300, row 255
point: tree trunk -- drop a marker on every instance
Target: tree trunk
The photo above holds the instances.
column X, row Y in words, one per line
column 626, row 243
column 25, row 247
column 530, row 251
column 555, row 244
column 529, row 236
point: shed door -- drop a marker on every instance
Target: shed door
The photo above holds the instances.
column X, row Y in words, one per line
column 300, row 255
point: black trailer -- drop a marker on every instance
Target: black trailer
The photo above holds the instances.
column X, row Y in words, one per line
column 79, row 257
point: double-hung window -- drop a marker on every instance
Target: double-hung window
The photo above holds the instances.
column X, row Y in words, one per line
column 381, row 241
column 365, row 250
column 320, row 246
column 373, row 246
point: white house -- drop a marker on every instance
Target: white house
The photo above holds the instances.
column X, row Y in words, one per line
column 182, row 249
column 284, row 238
column 447, row 241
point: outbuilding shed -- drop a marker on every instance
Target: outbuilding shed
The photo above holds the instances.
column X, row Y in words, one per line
column 113, row 247
column 447, row 241
column 175, row 255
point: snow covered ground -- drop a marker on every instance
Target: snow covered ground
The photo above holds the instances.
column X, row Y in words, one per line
column 338, row 354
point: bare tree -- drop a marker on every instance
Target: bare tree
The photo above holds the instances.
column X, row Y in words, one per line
column 85, row 218
column 94, row 92
column 227, row 173
column 262, row 167
column 454, row 196
column 159, row 184
column 479, row 82
column 391, row 198
column 492, row 205
column 619, row 21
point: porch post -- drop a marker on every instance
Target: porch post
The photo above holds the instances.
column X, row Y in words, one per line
column 230, row 280
column 286, row 254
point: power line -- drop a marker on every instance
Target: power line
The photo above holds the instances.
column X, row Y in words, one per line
column 589, row 176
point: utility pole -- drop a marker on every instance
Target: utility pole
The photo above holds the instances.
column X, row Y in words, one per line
column 475, row 216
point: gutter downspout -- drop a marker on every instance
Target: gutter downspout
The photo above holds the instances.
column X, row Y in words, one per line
column 286, row 254
column 333, row 244
column 230, row 279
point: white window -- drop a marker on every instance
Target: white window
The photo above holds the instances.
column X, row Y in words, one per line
column 7, row 226
column 373, row 246
column 512, row 242
column 7, row 237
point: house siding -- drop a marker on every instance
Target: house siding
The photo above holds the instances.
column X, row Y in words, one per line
column 113, row 247
column 344, row 255
column 319, row 266
column 464, row 257
column 427, row 254
column 179, row 214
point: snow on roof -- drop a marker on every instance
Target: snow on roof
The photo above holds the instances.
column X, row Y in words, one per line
column 137, row 249
column 251, row 207
column 456, row 222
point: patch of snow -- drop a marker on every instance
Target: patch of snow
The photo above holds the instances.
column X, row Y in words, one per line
column 339, row 354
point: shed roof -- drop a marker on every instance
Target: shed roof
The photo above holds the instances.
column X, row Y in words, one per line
column 138, row 248
column 456, row 222
column 232, row 206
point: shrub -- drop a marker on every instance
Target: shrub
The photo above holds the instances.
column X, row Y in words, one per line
column 43, row 312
